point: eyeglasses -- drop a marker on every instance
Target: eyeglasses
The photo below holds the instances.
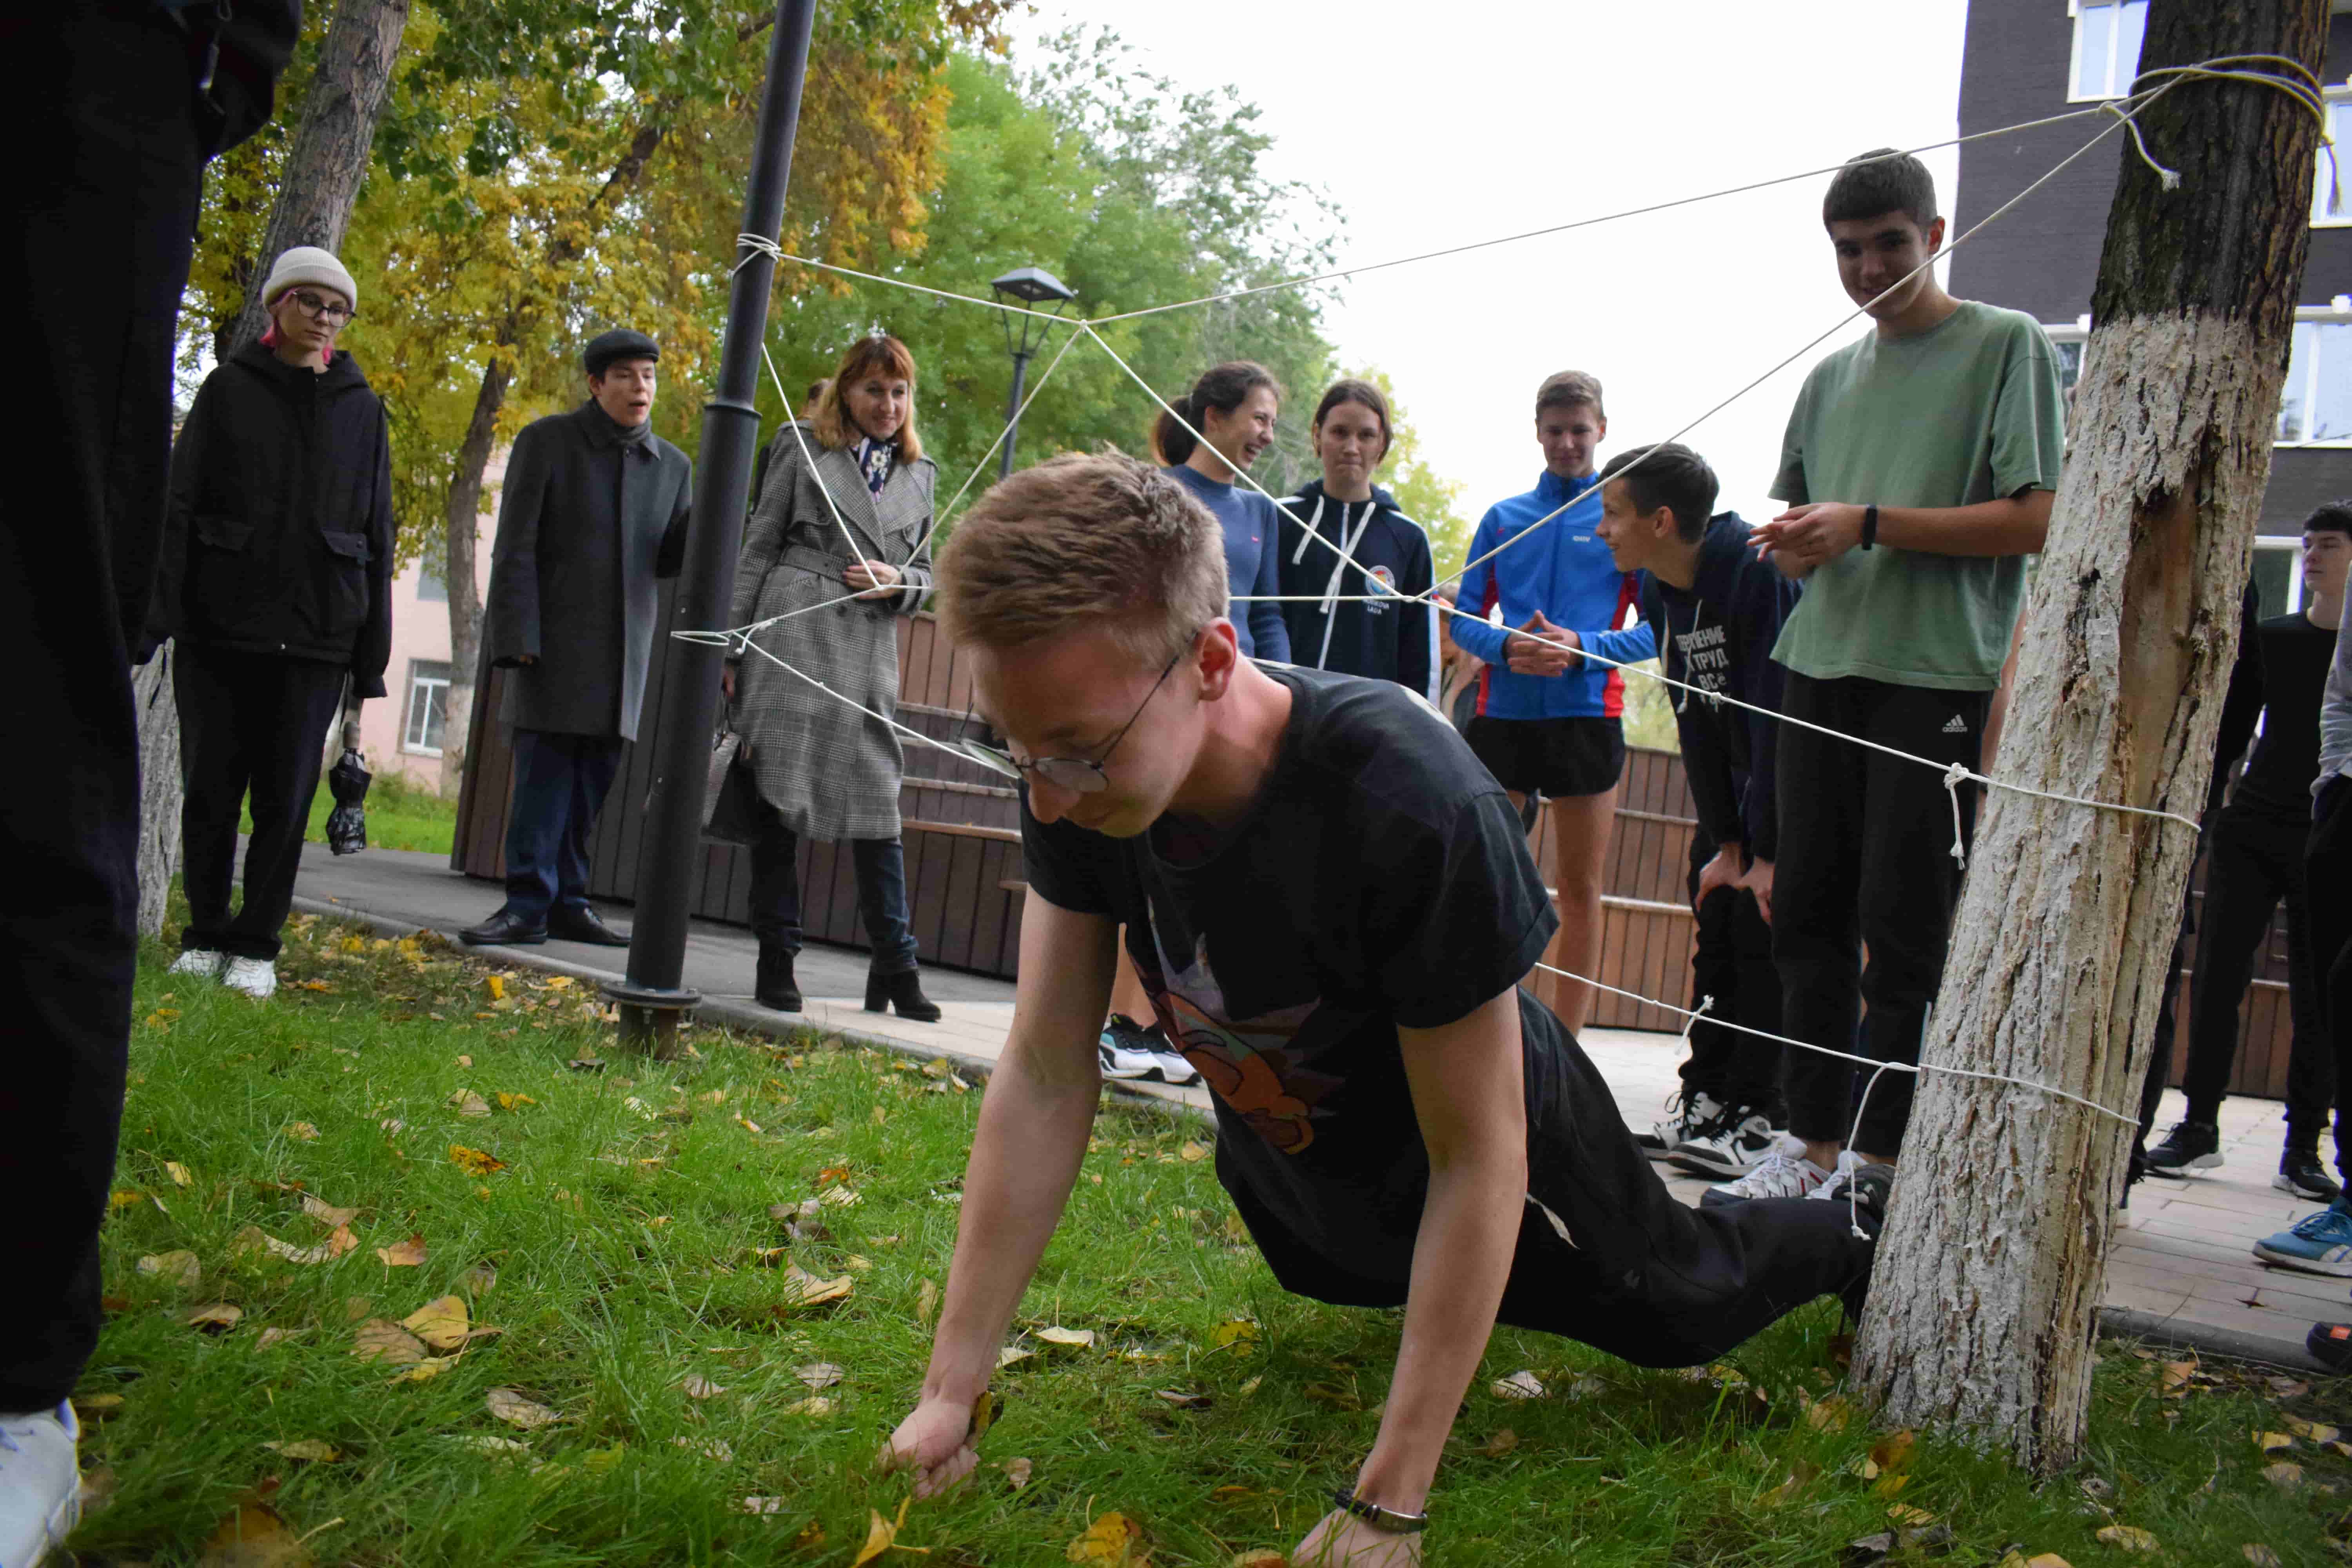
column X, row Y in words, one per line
column 328, row 310
column 1075, row 773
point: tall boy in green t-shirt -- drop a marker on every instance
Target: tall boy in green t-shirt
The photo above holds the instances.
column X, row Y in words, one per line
column 1919, row 465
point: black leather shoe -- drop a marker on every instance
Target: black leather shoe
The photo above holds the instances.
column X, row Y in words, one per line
column 583, row 925
column 903, row 991
column 505, row 929
column 776, row 986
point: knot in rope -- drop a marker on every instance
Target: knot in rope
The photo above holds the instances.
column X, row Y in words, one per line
column 1954, row 777
column 1690, row 1019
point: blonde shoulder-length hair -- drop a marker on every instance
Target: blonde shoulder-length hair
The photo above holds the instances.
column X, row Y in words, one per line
column 880, row 354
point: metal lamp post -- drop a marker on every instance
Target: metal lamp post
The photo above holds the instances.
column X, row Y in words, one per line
column 1031, row 286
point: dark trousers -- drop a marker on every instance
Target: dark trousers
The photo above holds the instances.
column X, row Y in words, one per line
column 95, row 237
column 251, row 724
column 2159, row 1053
column 881, row 865
column 560, row 784
column 1865, row 859
column 2255, row 861
column 1641, row 1274
column 2327, row 871
column 1733, row 964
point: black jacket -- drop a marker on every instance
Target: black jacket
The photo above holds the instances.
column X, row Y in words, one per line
column 587, row 522
column 1718, row 636
column 1345, row 631
column 278, row 537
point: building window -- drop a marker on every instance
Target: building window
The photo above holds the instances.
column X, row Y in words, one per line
column 2106, row 47
column 2331, row 199
column 431, row 588
column 429, row 708
column 2316, row 407
column 2277, row 583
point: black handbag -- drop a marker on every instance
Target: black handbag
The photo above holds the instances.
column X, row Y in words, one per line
column 730, row 802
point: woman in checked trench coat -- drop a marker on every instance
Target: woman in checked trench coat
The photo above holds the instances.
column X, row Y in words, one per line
column 823, row 769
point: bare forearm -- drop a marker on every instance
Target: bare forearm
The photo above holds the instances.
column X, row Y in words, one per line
column 2017, row 525
column 1025, row 1158
column 1462, row 1257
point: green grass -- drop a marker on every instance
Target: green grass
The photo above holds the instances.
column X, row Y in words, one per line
column 625, row 1231
column 400, row 815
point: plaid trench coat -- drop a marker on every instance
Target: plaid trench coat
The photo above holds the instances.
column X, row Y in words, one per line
column 831, row 771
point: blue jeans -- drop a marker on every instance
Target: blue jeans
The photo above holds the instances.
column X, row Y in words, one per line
column 881, row 865
column 560, row 784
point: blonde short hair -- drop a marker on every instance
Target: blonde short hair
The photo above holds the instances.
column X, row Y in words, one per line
column 1079, row 541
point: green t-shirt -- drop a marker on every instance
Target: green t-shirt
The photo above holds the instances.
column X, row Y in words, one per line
column 1967, row 411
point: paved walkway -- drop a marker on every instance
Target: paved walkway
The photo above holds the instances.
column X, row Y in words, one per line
column 2179, row 1271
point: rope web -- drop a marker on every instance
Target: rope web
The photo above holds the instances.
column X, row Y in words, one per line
column 2276, row 72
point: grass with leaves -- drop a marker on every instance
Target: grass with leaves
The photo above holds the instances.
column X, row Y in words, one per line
column 710, row 1282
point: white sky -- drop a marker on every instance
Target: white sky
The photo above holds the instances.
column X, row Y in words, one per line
column 1428, row 134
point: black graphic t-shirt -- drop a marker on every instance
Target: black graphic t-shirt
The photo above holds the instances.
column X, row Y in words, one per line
column 1380, row 878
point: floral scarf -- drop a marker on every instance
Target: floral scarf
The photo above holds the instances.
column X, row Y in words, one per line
column 875, row 460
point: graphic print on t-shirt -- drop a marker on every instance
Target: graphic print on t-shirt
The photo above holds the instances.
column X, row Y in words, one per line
column 1247, row 1061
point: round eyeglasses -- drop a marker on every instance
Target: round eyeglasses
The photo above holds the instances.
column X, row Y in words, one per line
column 1080, row 775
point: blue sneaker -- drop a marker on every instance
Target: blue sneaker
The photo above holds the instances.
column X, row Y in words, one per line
column 2319, row 1244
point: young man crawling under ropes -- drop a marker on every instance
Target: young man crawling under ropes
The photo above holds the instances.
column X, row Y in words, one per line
column 1331, row 904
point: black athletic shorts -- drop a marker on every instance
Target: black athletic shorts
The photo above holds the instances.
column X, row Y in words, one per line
column 1552, row 757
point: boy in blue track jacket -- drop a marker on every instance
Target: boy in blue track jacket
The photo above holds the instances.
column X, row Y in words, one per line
column 1716, row 611
column 1548, row 722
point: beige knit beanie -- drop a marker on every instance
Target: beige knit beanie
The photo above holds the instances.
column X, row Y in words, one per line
column 303, row 263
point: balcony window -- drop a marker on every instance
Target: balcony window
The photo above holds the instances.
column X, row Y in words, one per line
column 2107, row 35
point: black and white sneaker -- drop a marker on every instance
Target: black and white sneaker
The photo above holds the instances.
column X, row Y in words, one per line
column 1728, row 1148
column 1128, row 1050
column 1686, row 1116
column 2190, row 1146
column 2300, row 1172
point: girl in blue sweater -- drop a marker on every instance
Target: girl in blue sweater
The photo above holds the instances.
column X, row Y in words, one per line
column 1234, row 406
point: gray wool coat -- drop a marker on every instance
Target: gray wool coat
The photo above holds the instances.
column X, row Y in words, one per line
column 586, row 523
column 831, row 771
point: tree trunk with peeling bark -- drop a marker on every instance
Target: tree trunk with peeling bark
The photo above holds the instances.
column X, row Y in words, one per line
column 1986, row 1293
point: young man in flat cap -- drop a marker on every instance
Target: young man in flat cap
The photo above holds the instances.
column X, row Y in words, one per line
column 275, row 581
column 593, row 510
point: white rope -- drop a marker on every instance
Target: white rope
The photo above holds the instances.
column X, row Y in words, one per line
column 1010, row 425
column 1705, row 1004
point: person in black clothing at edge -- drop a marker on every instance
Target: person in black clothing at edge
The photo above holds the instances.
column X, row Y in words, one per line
column 275, row 586
column 593, row 510
column 1332, row 905
column 1353, row 627
column 1718, row 611
column 125, row 101
column 2253, row 860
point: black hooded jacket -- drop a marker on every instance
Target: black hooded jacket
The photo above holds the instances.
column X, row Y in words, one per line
column 278, row 538
column 1344, row 630
column 1718, row 636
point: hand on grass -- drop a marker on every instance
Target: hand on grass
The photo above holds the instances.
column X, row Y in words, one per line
column 1343, row 1541
column 935, row 1442
column 1528, row 656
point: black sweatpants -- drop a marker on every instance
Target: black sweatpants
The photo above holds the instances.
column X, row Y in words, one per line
column 2327, row 871
column 1733, row 964
column 2255, row 861
column 252, row 725
column 1865, row 859
column 97, row 238
column 1639, row 1273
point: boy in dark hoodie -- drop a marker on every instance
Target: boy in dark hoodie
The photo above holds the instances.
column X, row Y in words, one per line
column 1369, row 619
column 1718, row 611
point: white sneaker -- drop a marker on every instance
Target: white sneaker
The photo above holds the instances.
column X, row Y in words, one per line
column 257, row 978
column 1685, row 1118
column 1834, row 1188
column 40, row 1484
column 1174, row 1069
column 1728, row 1147
column 1784, row 1173
column 204, row 963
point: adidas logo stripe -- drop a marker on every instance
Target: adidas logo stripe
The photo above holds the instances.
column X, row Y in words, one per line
column 1958, row 726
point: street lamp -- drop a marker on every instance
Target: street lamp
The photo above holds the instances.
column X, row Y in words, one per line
column 1031, row 286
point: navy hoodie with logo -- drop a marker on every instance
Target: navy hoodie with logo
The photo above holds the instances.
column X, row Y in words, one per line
column 1340, row 629
column 1717, row 635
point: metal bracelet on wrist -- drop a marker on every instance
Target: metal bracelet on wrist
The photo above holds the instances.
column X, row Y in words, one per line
column 1385, row 1519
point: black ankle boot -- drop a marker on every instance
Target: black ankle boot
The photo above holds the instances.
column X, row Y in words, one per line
column 775, row 986
column 903, row 991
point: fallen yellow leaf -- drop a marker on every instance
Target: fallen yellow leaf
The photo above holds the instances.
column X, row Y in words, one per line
column 441, row 1322
column 1074, row 1339
column 216, row 1317
column 430, row 1367
column 98, row 1406
column 1263, row 1557
column 2172, row 1377
column 1233, row 1333
column 1110, row 1538
column 123, row 1199
column 2127, row 1538
column 2260, row 1556
column 178, row 1172
column 1893, row 1452
column 1829, row 1414
column 815, row 1405
column 469, row 1103
column 1903, row 1513
column 272, row 1336
column 181, row 1268
column 927, row 1301
column 818, row 1374
column 1017, row 1471
column 1193, row 1151
column 879, row 1535
column 698, row 1387
column 326, row 1214
column 802, row 1288
column 2271, row 1442
column 473, row 1162
column 514, row 1101
column 983, row 1414
column 307, row 1448
column 1520, row 1384
column 2285, row 1476
column 254, row 1535
column 516, row 1411
column 497, row 985
column 2317, row 1431
column 409, row 1254
column 379, row 1338
column 1501, row 1443
column 302, row 1131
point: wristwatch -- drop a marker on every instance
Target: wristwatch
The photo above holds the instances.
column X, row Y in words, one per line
column 1869, row 526
column 1385, row 1519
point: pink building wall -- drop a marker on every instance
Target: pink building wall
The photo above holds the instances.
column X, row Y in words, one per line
column 390, row 726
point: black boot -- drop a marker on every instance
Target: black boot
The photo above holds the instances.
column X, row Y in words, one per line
column 903, row 991
column 775, row 985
